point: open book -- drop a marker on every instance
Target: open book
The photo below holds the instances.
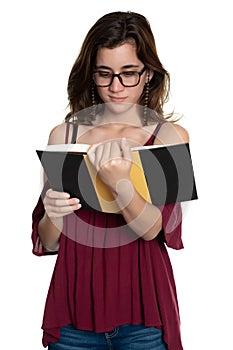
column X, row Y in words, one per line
column 161, row 174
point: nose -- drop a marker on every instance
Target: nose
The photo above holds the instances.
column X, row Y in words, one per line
column 116, row 85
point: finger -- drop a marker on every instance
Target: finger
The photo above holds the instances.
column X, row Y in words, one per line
column 56, row 194
column 59, row 211
column 115, row 152
column 91, row 153
column 60, row 199
column 93, row 147
column 105, row 154
column 91, row 156
column 60, row 205
column 64, row 202
column 65, row 209
column 98, row 155
column 126, row 150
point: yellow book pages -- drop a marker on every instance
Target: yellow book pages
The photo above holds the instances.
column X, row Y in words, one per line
column 105, row 197
column 138, row 177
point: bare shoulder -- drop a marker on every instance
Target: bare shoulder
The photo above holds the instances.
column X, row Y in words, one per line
column 57, row 134
column 181, row 132
column 172, row 133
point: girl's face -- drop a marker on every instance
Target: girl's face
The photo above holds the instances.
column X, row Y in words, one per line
column 121, row 59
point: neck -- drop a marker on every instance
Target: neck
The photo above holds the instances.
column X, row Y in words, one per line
column 120, row 113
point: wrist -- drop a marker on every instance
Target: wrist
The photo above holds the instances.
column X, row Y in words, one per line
column 49, row 231
column 123, row 192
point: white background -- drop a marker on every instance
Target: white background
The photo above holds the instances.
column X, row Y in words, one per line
column 39, row 43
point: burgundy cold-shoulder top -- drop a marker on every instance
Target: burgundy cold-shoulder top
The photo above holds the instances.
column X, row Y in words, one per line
column 98, row 287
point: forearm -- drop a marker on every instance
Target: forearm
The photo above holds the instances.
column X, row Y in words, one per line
column 142, row 217
column 113, row 161
column 49, row 232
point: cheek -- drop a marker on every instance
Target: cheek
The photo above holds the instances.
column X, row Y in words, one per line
column 136, row 94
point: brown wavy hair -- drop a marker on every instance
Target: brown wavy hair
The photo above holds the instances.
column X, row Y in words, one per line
column 110, row 31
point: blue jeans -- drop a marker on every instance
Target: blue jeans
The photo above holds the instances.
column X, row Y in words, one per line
column 127, row 337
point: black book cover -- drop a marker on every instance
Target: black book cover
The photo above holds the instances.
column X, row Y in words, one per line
column 161, row 174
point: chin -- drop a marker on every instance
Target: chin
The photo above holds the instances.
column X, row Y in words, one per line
column 119, row 107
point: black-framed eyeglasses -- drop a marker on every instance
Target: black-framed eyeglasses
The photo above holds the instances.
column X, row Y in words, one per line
column 103, row 78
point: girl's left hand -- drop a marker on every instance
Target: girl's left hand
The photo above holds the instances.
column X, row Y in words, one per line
column 112, row 161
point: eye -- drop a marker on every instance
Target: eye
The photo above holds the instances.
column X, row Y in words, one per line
column 104, row 74
column 129, row 74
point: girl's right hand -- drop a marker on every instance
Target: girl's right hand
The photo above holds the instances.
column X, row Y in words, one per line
column 59, row 204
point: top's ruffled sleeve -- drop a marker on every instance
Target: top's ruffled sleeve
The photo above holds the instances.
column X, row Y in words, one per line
column 37, row 215
column 171, row 232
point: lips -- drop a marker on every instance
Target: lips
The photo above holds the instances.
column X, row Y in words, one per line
column 117, row 99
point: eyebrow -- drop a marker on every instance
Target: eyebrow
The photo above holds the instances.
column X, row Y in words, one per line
column 123, row 67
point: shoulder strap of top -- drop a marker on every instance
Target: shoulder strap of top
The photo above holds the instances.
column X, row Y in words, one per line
column 74, row 133
column 67, row 132
column 156, row 130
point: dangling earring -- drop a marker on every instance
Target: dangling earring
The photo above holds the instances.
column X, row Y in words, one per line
column 93, row 110
column 147, row 88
